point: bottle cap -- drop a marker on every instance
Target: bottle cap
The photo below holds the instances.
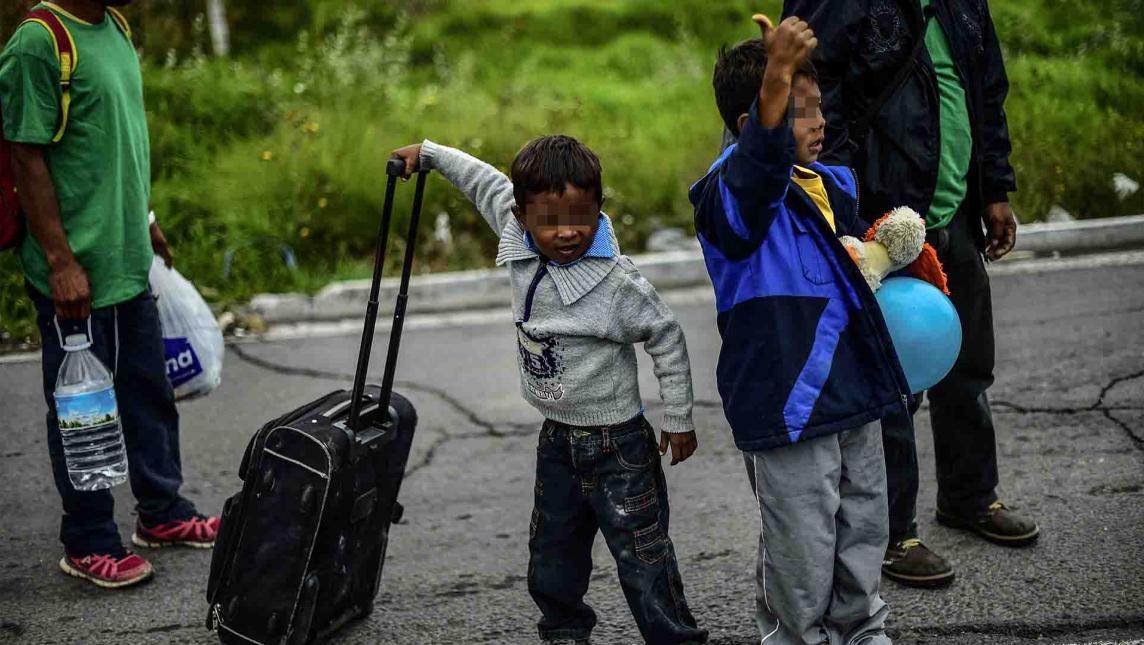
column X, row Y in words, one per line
column 76, row 343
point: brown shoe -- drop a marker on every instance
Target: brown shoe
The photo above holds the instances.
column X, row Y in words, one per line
column 998, row 524
column 911, row 563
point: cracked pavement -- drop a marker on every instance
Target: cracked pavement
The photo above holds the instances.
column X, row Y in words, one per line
column 1069, row 406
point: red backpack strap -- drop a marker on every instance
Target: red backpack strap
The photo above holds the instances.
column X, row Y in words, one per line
column 65, row 53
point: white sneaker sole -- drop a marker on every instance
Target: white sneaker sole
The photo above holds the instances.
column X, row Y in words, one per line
column 67, row 568
column 147, row 544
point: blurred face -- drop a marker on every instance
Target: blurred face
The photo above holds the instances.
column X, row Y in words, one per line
column 562, row 226
column 806, row 120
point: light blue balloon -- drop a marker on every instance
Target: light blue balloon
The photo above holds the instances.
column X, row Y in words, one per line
column 924, row 327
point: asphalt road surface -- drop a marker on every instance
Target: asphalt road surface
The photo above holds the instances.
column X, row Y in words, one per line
column 1069, row 404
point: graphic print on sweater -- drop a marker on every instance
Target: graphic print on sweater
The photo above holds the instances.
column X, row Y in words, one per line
column 542, row 364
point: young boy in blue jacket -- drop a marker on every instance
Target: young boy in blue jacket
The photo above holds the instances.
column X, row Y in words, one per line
column 806, row 369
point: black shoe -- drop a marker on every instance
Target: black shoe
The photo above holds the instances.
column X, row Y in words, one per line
column 997, row 524
column 911, row 563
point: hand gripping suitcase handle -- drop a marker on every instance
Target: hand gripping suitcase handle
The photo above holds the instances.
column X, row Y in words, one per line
column 394, row 168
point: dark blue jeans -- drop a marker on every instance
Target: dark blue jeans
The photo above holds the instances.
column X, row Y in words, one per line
column 127, row 338
column 607, row 479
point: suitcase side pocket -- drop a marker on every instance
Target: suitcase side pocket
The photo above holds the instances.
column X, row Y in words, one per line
column 278, row 517
column 224, row 543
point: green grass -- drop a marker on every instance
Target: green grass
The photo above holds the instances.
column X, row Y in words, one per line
column 285, row 145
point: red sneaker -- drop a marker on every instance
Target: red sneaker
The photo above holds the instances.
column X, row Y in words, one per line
column 198, row 532
column 108, row 571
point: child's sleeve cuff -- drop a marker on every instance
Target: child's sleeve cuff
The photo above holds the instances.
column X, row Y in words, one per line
column 677, row 424
column 429, row 151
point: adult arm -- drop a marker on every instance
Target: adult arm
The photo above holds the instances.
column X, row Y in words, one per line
column 997, row 176
column 159, row 243
column 30, row 93
column 71, row 290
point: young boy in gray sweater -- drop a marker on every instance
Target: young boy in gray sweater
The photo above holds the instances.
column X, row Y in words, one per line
column 580, row 306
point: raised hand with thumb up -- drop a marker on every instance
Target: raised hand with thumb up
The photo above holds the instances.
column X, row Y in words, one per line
column 789, row 44
column 788, row 47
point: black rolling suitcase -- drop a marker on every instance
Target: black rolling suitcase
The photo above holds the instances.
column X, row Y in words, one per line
column 301, row 548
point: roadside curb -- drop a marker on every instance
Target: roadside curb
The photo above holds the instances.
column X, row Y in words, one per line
column 453, row 291
column 679, row 297
column 489, row 288
column 1082, row 235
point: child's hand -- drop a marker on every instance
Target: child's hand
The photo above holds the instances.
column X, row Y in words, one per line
column 789, row 44
column 411, row 155
column 683, row 445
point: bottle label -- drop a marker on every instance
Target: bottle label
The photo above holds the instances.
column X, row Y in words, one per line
column 87, row 410
column 182, row 362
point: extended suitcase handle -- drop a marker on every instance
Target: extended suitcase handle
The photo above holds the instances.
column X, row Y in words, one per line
column 394, row 168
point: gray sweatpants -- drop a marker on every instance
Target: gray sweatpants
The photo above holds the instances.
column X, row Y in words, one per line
column 824, row 534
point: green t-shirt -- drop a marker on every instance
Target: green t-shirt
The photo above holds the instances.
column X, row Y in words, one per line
column 956, row 135
column 101, row 168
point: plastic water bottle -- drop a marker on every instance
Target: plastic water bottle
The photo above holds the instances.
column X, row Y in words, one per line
column 89, row 418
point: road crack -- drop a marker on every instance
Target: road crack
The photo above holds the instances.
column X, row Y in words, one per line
column 488, row 429
column 492, row 429
column 158, row 629
column 1097, row 406
column 522, row 430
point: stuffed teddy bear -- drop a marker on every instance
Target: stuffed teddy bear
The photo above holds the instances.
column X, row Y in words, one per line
column 896, row 241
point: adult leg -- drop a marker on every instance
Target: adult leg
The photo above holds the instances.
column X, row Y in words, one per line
column 907, row 560
column 88, row 523
column 147, row 410
column 560, row 542
column 901, row 466
column 796, row 488
column 965, row 444
column 857, row 613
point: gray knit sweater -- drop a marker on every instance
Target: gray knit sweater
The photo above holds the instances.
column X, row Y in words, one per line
column 577, row 323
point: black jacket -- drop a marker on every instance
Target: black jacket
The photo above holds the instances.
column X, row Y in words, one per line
column 861, row 44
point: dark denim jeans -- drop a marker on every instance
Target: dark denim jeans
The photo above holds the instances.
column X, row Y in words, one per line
column 606, row 478
column 127, row 338
column 965, row 444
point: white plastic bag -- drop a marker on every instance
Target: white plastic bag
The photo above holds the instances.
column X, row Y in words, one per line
column 192, row 339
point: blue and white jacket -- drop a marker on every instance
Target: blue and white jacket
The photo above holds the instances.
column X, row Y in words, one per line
column 806, row 352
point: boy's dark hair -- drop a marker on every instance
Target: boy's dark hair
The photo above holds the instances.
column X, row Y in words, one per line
column 548, row 164
column 738, row 76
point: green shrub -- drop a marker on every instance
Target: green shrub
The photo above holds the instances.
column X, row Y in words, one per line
column 1073, row 125
column 283, row 147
